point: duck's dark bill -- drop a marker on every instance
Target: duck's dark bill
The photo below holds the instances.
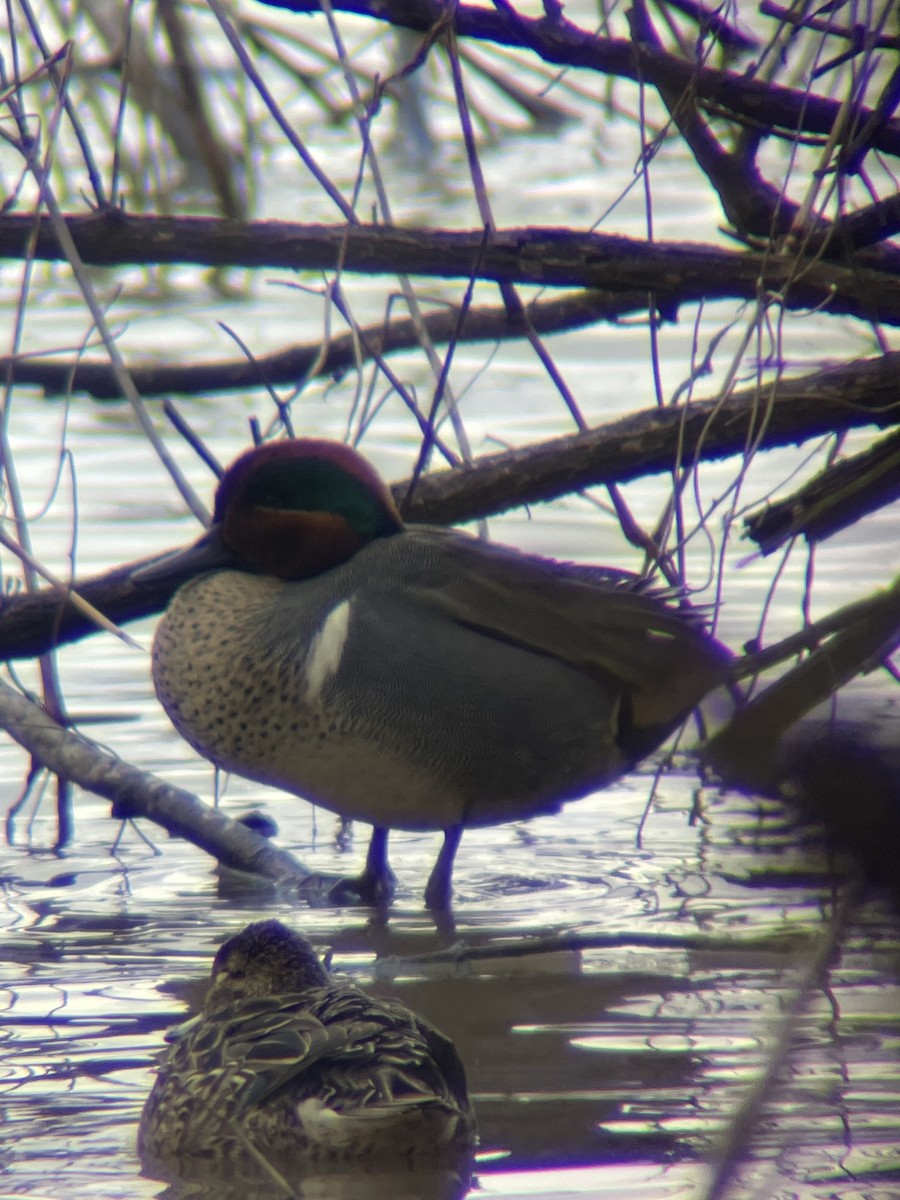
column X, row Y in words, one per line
column 208, row 553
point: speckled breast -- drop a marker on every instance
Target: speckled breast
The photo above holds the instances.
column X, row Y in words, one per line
column 241, row 666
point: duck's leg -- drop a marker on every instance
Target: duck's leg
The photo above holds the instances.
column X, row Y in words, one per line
column 375, row 886
column 440, row 882
column 377, row 882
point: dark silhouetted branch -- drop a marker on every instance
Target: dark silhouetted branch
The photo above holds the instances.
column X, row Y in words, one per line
column 741, row 97
column 866, row 392
column 343, row 352
column 839, row 496
column 540, row 255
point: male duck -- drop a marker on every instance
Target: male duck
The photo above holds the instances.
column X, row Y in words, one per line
column 288, row 1063
column 411, row 677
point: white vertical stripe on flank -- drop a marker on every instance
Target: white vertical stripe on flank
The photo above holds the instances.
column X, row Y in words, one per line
column 326, row 650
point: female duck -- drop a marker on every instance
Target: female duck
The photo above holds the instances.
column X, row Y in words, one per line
column 410, row 677
column 287, row 1063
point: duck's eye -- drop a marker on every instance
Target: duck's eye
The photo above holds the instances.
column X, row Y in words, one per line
column 279, row 484
column 228, row 970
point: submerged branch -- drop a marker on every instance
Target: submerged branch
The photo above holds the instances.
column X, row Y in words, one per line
column 136, row 793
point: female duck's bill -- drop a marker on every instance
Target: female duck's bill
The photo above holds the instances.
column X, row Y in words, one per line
column 412, row 677
column 288, row 1067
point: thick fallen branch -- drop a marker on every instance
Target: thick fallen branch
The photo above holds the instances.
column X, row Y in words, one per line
column 540, row 255
column 841, row 495
column 832, row 400
column 39, row 621
column 866, row 392
column 136, row 793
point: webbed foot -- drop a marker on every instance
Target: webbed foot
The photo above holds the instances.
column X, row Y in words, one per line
column 374, row 888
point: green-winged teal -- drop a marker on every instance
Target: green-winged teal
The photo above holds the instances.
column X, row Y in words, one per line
column 287, row 1062
column 411, row 677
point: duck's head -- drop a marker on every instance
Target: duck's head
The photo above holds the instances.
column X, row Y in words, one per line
column 265, row 959
column 294, row 509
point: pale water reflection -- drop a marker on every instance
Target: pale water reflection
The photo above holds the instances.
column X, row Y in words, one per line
column 605, row 1068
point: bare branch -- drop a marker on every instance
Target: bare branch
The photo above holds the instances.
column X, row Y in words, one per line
column 136, row 793
column 785, row 111
column 866, row 392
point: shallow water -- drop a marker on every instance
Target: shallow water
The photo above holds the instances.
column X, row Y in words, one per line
column 608, row 1058
column 614, row 999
